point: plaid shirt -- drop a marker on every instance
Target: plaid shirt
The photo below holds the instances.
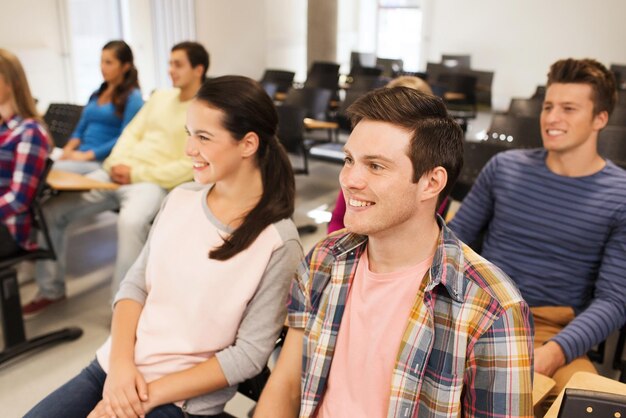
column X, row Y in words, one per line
column 467, row 348
column 24, row 149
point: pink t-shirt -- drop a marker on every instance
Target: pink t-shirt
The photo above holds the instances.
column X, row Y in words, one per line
column 376, row 314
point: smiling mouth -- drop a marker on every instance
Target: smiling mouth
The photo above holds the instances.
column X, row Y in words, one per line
column 359, row 203
column 555, row 132
column 199, row 165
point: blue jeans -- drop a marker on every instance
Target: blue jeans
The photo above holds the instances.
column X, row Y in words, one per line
column 78, row 397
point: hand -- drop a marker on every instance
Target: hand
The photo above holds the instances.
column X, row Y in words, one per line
column 125, row 391
column 99, row 411
column 120, row 174
column 549, row 358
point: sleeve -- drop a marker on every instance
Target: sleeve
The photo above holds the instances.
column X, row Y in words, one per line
column 476, row 209
column 299, row 301
column 30, row 161
column 130, row 136
column 263, row 318
column 607, row 311
column 166, row 175
column 498, row 379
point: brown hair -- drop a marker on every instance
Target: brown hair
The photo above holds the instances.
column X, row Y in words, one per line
column 247, row 108
column 196, row 54
column 124, row 55
column 437, row 140
column 591, row 72
column 13, row 72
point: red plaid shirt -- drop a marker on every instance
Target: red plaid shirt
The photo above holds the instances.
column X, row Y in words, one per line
column 24, row 148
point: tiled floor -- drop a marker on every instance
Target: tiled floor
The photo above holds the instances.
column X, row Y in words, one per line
column 26, row 380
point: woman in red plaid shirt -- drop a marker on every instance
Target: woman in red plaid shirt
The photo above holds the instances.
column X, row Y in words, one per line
column 24, row 147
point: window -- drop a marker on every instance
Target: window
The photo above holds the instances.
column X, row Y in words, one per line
column 92, row 23
column 400, row 31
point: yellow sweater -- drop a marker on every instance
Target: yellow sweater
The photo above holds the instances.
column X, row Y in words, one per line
column 153, row 143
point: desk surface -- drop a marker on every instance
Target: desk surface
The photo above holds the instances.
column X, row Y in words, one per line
column 541, row 387
column 590, row 381
column 66, row 181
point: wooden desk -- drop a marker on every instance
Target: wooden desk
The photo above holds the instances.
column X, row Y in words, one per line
column 319, row 124
column 590, row 381
column 541, row 387
column 72, row 182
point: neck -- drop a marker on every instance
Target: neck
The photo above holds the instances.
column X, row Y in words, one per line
column 583, row 161
column 232, row 199
column 403, row 247
column 187, row 92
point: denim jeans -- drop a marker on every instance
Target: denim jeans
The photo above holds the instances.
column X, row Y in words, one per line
column 138, row 204
column 78, row 397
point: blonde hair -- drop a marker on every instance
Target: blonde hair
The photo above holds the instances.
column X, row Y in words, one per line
column 13, row 73
column 412, row 82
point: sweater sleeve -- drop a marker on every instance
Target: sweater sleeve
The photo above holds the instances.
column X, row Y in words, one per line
column 30, row 160
column 607, row 310
column 167, row 175
column 263, row 318
column 477, row 208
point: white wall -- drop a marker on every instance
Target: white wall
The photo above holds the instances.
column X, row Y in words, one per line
column 247, row 36
column 31, row 29
column 519, row 39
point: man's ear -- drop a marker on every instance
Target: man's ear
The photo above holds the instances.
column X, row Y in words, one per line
column 433, row 182
column 249, row 144
column 199, row 70
column 600, row 120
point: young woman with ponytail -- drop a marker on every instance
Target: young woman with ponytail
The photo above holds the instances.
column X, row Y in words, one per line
column 108, row 111
column 200, row 310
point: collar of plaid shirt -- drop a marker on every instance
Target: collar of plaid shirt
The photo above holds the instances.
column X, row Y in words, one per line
column 432, row 356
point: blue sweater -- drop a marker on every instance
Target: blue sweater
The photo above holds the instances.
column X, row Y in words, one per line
column 99, row 126
column 561, row 239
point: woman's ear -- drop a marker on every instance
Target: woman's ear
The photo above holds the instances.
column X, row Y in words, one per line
column 249, row 144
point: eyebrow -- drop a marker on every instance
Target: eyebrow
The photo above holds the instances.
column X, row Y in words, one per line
column 373, row 157
column 199, row 131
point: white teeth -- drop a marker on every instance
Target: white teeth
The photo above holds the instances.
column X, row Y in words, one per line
column 555, row 131
column 359, row 203
column 198, row 165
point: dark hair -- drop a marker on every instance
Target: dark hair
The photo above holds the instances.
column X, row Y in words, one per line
column 591, row 72
column 124, row 55
column 437, row 140
column 247, row 108
column 196, row 54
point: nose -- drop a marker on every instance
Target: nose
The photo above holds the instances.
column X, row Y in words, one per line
column 551, row 115
column 190, row 148
column 351, row 178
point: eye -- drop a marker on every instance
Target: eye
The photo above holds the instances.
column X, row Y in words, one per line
column 347, row 160
column 569, row 109
column 376, row 167
column 204, row 138
column 547, row 108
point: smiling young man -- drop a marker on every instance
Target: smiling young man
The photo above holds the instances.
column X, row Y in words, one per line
column 395, row 317
column 147, row 160
column 555, row 221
